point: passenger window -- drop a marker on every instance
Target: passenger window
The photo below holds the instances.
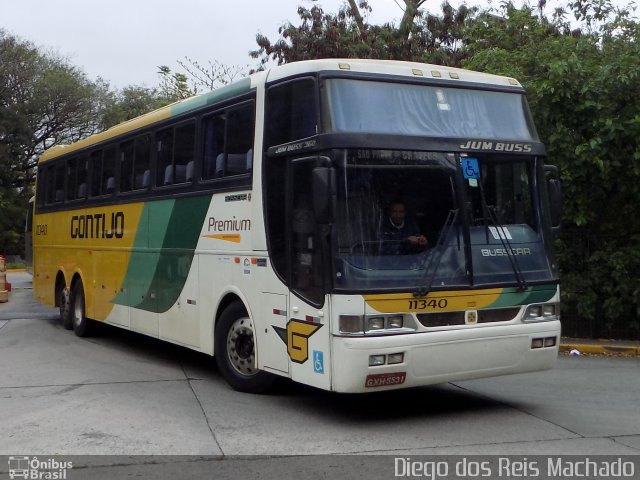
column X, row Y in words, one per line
column 103, row 171
column 176, row 148
column 239, row 147
column 141, row 169
column 77, row 178
column 58, row 191
column 291, row 112
column 134, row 164
column 72, row 173
column 213, row 132
column 126, row 166
column 228, row 143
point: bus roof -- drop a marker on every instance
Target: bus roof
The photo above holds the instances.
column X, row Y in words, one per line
column 381, row 67
column 390, row 67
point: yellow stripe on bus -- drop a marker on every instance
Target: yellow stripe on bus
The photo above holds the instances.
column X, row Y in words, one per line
column 434, row 301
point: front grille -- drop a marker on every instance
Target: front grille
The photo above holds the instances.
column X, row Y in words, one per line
column 497, row 314
column 448, row 319
column 442, row 319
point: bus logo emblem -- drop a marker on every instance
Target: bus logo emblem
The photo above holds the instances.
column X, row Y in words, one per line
column 296, row 337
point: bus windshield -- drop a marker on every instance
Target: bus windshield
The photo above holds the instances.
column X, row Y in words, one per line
column 478, row 231
column 362, row 106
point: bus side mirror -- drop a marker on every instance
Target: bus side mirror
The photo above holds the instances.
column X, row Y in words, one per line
column 324, row 194
column 554, row 190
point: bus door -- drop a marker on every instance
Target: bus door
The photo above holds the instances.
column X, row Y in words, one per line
column 308, row 331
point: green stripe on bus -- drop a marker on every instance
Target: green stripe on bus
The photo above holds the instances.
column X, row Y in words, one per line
column 157, row 274
column 536, row 294
column 218, row 95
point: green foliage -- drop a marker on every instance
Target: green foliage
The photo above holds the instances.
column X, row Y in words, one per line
column 583, row 87
column 43, row 101
column 418, row 37
column 174, row 85
column 584, row 92
column 129, row 103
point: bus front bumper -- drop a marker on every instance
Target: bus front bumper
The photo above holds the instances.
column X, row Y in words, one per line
column 442, row 356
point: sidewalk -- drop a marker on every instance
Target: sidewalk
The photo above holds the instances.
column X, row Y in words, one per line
column 626, row 348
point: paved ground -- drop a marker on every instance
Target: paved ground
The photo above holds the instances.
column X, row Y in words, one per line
column 125, row 394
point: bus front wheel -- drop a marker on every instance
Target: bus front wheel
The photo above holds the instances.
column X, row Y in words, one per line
column 81, row 324
column 235, row 351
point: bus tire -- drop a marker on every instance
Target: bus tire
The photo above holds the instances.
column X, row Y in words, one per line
column 235, row 351
column 64, row 301
column 82, row 326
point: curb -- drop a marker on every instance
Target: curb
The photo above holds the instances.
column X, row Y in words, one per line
column 631, row 351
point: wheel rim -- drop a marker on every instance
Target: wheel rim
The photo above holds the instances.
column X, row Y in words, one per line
column 78, row 310
column 241, row 347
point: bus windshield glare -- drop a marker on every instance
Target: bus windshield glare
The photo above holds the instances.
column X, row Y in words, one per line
column 359, row 106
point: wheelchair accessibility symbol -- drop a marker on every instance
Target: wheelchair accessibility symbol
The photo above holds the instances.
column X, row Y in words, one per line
column 470, row 168
column 318, row 362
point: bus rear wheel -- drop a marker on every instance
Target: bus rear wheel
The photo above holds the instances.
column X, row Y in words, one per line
column 235, row 351
column 82, row 326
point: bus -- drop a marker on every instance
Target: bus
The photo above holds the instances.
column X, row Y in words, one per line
column 247, row 223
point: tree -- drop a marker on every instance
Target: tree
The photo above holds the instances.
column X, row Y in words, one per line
column 43, row 101
column 178, row 86
column 131, row 102
column 419, row 36
column 583, row 88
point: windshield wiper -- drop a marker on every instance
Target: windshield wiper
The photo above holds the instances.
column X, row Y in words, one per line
column 436, row 255
column 489, row 213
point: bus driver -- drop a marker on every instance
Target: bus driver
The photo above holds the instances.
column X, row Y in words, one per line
column 399, row 235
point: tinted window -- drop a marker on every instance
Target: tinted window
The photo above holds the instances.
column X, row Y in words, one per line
column 291, row 112
column 228, row 143
column 176, row 154
column 103, row 171
column 134, row 164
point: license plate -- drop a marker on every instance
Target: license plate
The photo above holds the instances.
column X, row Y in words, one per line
column 385, row 379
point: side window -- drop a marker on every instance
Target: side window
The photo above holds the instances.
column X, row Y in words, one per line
column 58, row 188
column 141, row 170
column 103, row 171
column 72, row 176
column 126, row 166
column 213, row 159
column 77, row 178
column 291, row 112
column 41, row 180
column 176, row 148
column 239, row 145
column 134, row 164
column 96, row 173
column 164, row 140
column 49, row 184
column 183, row 153
column 228, row 143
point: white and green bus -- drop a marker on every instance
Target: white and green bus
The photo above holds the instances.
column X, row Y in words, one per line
column 250, row 223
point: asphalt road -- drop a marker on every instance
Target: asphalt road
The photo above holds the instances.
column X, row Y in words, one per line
column 124, row 394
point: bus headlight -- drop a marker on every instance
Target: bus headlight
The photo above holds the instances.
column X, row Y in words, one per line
column 542, row 312
column 396, row 321
column 350, row 324
column 374, row 324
